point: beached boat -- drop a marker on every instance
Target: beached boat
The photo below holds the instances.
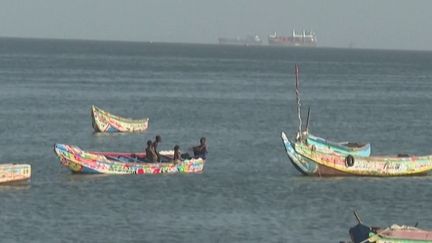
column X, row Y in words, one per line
column 392, row 234
column 14, row 172
column 310, row 161
column 103, row 121
column 80, row 161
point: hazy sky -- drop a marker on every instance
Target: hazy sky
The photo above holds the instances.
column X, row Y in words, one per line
column 390, row 24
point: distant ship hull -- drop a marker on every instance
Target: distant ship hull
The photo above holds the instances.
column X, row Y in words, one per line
column 247, row 41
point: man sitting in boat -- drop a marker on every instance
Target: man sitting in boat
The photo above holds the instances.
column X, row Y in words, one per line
column 150, row 153
column 177, row 155
column 200, row 151
column 154, row 147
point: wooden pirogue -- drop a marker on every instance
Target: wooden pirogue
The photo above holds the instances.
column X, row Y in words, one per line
column 322, row 144
column 14, row 172
column 355, row 149
column 80, row 161
column 103, row 121
column 362, row 233
column 310, row 161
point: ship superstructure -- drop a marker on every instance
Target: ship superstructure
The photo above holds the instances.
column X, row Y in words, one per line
column 302, row 39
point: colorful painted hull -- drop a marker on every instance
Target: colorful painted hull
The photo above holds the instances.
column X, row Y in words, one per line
column 14, row 172
column 343, row 148
column 316, row 163
column 103, row 121
column 392, row 234
column 80, row 161
column 302, row 164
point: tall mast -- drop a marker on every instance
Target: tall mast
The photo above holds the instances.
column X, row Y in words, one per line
column 298, row 99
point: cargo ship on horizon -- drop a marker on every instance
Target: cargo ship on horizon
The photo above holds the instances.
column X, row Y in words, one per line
column 250, row 40
column 302, row 39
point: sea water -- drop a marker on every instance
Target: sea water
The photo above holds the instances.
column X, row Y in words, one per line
column 240, row 99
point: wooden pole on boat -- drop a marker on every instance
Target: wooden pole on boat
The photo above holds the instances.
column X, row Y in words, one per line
column 357, row 217
column 307, row 121
column 298, row 99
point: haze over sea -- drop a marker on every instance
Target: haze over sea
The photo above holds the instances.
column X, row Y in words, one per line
column 240, row 98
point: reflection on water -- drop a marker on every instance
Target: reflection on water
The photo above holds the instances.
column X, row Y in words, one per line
column 15, row 186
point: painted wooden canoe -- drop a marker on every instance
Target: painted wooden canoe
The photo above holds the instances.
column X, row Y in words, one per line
column 80, row 161
column 14, row 172
column 325, row 145
column 313, row 162
column 103, row 121
column 392, row 234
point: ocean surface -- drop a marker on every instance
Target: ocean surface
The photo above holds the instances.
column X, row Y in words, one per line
column 240, row 99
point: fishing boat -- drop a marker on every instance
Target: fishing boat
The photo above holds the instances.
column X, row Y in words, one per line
column 392, row 234
column 14, row 172
column 400, row 234
column 80, row 161
column 103, row 121
column 310, row 161
column 321, row 144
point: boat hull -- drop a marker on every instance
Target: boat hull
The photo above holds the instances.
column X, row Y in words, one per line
column 392, row 234
column 80, row 161
column 342, row 148
column 316, row 163
column 302, row 164
column 10, row 173
column 103, row 121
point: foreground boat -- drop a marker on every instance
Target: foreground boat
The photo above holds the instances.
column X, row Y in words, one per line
column 80, row 161
column 310, row 161
column 103, row 121
column 14, row 172
column 393, row 234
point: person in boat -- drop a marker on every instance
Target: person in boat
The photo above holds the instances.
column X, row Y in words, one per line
column 200, row 151
column 150, row 153
column 177, row 155
column 155, row 144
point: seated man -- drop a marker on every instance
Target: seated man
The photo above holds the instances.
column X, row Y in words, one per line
column 150, row 153
column 155, row 144
column 177, row 155
column 200, row 151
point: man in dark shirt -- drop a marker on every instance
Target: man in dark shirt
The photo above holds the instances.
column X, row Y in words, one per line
column 150, row 154
column 200, row 151
column 177, row 155
column 155, row 145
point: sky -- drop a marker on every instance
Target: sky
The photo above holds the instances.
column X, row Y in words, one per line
column 376, row 24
